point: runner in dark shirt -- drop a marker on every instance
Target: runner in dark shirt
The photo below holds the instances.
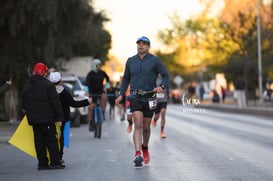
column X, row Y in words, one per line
column 141, row 72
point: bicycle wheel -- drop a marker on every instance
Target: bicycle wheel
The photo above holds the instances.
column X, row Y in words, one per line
column 95, row 121
column 99, row 124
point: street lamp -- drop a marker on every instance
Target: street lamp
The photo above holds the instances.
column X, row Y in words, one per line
column 259, row 52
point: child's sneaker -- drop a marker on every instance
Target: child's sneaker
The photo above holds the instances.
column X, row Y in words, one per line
column 162, row 134
column 138, row 161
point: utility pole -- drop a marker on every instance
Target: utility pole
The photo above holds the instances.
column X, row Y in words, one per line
column 259, row 53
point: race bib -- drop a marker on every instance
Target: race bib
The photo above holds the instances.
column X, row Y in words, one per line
column 152, row 103
column 159, row 95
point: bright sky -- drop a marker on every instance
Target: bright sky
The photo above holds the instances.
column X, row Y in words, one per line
column 131, row 19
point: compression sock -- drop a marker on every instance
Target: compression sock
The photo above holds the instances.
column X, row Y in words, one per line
column 130, row 122
column 138, row 153
column 162, row 128
column 144, row 147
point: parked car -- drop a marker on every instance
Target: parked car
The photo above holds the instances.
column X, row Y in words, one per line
column 78, row 91
column 82, row 79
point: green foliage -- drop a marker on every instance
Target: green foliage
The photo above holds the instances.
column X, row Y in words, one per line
column 206, row 45
column 36, row 30
column 198, row 43
column 244, row 61
column 168, row 61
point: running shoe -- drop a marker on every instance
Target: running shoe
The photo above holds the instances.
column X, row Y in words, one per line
column 146, row 156
column 122, row 118
column 138, row 161
column 43, row 167
column 154, row 123
column 162, row 134
column 129, row 128
column 60, row 166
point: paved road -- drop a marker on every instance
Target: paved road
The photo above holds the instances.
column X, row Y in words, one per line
column 201, row 145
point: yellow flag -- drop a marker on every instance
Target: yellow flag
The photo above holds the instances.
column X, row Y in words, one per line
column 23, row 138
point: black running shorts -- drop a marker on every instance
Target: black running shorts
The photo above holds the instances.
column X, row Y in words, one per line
column 143, row 106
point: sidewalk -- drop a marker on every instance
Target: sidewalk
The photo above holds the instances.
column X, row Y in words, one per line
column 253, row 107
column 6, row 131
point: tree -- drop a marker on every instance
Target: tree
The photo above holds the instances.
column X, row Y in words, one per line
column 198, row 43
column 243, row 24
column 225, row 43
column 32, row 31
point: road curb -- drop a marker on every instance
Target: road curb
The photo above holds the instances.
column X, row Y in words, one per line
column 6, row 131
column 260, row 111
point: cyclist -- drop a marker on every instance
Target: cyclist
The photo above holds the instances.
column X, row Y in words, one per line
column 162, row 100
column 94, row 80
column 141, row 71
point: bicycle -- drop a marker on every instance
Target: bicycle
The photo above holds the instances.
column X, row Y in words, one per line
column 97, row 116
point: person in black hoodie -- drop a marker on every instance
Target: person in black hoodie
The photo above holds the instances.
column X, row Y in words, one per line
column 43, row 109
column 66, row 100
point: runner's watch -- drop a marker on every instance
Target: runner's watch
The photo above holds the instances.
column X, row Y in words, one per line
column 162, row 86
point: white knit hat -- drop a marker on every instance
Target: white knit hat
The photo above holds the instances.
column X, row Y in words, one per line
column 55, row 77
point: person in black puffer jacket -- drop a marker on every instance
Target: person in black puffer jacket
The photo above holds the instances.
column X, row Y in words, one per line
column 66, row 100
column 43, row 109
